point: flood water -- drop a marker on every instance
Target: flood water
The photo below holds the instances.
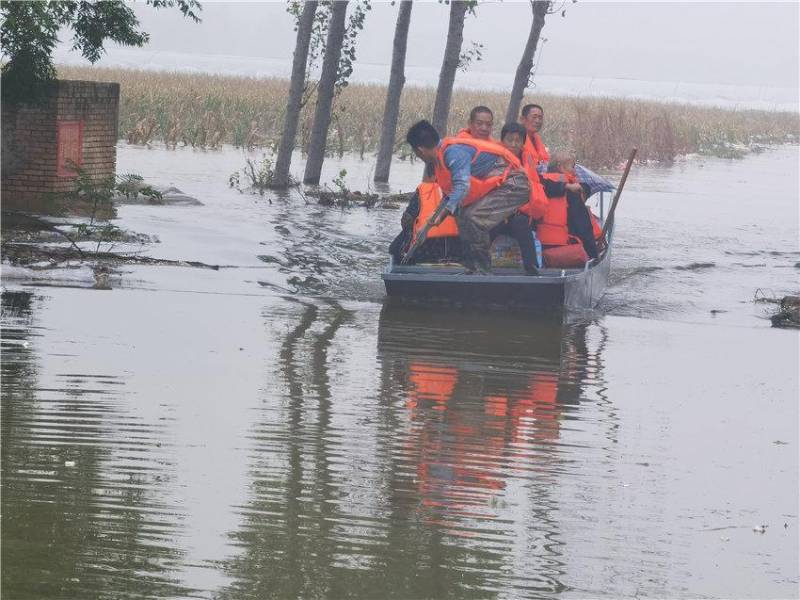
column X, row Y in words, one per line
column 276, row 429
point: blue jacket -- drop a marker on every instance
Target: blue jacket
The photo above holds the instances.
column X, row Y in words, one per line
column 458, row 160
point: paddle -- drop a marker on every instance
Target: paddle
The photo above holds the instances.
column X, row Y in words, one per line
column 423, row 233
column 610, row 218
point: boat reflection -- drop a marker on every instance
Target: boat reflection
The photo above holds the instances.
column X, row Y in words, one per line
column 421, row 458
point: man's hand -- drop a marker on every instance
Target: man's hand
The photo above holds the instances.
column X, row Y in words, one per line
column 573, row 187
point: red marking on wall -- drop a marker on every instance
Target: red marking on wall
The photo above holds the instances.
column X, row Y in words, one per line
column 69, row 144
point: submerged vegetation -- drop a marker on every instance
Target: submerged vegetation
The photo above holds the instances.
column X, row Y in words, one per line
column 207, row 110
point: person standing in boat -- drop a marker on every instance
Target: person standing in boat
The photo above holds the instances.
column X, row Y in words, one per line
column 534, row 153
column 483, row 184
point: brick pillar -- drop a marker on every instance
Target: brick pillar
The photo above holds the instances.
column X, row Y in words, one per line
column 77, row 121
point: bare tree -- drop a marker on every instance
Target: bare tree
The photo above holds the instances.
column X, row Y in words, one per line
column 397, row 80
column 522, row 79
column 325, row 92
column 296, row 88
column 450, row 62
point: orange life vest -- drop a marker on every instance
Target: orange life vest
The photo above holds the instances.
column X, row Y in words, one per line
column 538, row 201
column 537, row 205
column 464, row 133
column 430, row 196
column 478, row 188
column 553, row 229
column 534, row 151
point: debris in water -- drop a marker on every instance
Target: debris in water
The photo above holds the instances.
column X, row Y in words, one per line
column 725, row 538
column 760, row 528
column 789, row 313
column 716, row 311
column 695, row 266
column 69, row 463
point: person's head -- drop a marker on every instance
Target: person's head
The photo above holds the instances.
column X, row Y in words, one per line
column 532, row 117
column 512, row 137
column 424, row 140
column 481, row 122
column 562, row 162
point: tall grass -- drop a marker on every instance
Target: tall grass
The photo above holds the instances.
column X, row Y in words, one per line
column 208, row 110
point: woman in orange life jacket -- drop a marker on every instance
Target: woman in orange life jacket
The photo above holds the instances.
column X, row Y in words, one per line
column 518, row 225
column 567, row 214
column 483, row 182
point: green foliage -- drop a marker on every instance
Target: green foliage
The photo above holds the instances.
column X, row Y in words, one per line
column 132, row 186
column 319, row 33
column 339, row 183
column 261, row 175
column 473, row 53
column 348, row 57
column 29, row 33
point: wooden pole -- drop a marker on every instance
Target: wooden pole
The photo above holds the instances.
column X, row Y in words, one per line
column 610, row 219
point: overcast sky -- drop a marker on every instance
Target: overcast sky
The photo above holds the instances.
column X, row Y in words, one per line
column 713, row 42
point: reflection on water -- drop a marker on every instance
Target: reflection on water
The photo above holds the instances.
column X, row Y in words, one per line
column 198, row 434
column 80, row 515
column 435, row 483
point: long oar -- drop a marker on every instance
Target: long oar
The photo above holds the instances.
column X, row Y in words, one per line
column 610, row 218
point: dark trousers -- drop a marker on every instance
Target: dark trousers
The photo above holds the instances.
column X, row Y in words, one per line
column 519, row 228
column 580, row 224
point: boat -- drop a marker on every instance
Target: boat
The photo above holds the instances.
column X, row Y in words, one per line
column 506, row 286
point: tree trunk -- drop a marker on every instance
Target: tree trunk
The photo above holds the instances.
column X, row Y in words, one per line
column 284, row 160
column 325, row 92
column 522, row 78
column 397, row 79
column 447, row 76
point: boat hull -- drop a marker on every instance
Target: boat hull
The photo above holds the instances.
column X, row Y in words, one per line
column 556, row 289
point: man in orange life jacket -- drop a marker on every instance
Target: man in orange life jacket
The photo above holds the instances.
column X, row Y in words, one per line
column 518, row 225
column 480, row 124
column 483, row 182
column 536, row 156
column 534, row 153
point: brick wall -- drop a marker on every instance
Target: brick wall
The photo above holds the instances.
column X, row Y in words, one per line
column 77, row 120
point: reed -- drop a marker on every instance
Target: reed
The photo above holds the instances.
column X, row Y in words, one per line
column 208, row 110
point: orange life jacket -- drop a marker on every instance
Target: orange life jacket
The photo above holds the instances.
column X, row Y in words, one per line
column 464, row 133
column 478, row 188
column 553, row 229
column 534, row 151
column 538, row 201
column 537, row 205
column 430, row 196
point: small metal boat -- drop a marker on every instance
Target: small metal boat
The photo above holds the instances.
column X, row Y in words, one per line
column 552, row 289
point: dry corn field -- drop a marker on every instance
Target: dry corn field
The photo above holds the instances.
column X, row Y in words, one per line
column 209, row 110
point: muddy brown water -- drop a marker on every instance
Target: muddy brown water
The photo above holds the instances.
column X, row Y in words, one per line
column 275, row 429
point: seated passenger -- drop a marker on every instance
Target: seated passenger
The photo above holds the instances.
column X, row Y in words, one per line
column 518, row 225
column 441, row 246
column 567, row 213
column 534, row 153
column 483, row 182
column 480, row 124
